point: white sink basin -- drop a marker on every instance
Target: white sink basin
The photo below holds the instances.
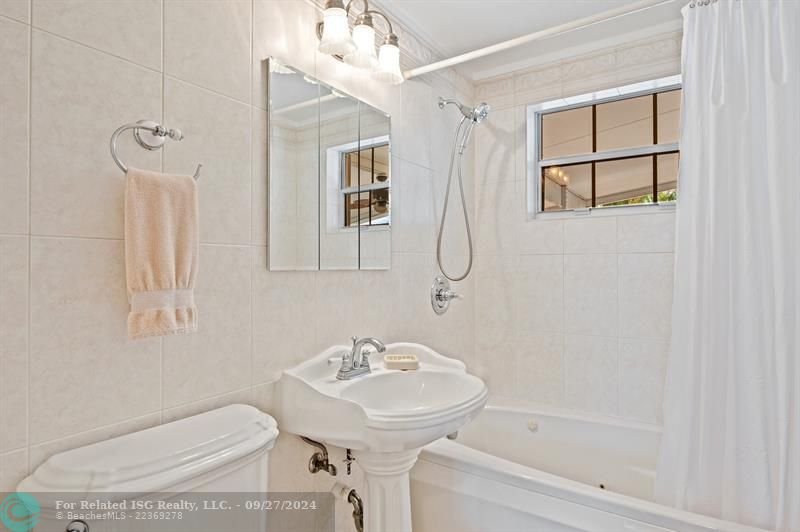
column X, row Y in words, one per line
column 384, row 411
column 416, row 391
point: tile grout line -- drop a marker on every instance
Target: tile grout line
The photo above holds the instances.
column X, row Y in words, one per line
column 163, row 115
column 619, row 312
column 563, row 319
column 252, row 253
column 134, row 63
column 30, row 240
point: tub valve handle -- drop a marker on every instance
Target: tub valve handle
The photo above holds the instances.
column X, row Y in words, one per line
column 77, row 525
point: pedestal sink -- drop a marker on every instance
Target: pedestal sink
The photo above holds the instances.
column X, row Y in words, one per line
column 385, row 417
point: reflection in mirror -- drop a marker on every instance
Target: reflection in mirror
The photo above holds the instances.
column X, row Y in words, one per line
column 372, row 213
column 329, row 177
column 338, row 137
column 293, row 133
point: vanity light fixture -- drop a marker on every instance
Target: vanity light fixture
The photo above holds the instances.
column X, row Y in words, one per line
column 389, row 62
column 358, row 48
column 364, row 55
column 335, row 36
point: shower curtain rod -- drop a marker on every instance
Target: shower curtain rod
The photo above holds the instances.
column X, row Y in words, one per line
column 535, row 36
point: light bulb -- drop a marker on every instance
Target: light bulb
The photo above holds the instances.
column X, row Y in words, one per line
column 389, row 62
column 336, row 39
column 364, row 55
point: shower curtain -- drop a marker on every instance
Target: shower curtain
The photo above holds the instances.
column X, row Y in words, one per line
column 731, row 444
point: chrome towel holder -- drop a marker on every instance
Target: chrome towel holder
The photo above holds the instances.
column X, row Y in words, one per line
column 153, row 141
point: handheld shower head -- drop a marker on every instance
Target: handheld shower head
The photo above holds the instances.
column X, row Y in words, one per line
column 477, row 115
column 480, row 113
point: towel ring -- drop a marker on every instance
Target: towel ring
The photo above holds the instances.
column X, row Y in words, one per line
column 148, row 142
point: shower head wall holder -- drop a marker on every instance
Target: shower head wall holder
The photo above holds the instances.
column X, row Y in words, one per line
column 442, row 295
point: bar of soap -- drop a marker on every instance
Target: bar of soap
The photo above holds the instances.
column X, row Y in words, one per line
column 399, row 361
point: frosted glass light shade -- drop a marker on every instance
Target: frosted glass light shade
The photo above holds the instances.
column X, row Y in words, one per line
column 364, row 55
column 389, row 65
column 336, row 39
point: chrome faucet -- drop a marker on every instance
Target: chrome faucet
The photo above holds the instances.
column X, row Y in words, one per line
column 356, row 361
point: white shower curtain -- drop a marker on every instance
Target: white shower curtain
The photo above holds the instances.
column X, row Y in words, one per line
column 731, row 444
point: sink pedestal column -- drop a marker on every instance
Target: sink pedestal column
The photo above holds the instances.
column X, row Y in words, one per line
column 388, row 503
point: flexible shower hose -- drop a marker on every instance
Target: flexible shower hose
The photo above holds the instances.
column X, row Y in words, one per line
column 464, row 139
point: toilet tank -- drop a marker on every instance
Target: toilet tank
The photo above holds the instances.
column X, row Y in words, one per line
column 221, row 451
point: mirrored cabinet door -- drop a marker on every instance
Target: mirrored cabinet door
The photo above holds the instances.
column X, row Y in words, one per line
column 338, row 149
column 330, row 176
column 293, row 128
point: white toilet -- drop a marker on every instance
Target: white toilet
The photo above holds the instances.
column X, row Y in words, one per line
column 222, row 451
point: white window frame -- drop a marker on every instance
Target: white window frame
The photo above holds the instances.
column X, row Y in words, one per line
column 335, row 184
column 534, row 165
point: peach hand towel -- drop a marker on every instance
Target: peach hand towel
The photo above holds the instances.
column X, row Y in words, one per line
column 161, row 253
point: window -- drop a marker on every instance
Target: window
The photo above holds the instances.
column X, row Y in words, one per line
column 365, row 185
column 612, row 148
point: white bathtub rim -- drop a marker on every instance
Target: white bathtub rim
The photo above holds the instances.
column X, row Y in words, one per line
column 533, row 410
column 467, row 460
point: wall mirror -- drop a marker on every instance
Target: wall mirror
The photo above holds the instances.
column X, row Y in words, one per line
column 329, row 176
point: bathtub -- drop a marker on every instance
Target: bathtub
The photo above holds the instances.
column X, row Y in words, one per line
column 526, row 470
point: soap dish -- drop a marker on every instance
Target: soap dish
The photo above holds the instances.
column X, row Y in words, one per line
column 404, row 362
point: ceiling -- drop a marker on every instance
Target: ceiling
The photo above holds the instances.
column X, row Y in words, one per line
column 453, row 27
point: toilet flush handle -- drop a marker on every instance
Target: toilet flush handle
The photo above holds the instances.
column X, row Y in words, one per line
column 77, row 526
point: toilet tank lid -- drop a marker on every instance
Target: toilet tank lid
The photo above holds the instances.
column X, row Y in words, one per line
column 157, row 458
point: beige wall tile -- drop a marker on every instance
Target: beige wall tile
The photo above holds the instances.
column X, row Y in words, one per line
column 496, row 360
column 391, row 311
column 499, row 215
column 16, row 9
column 76, row 189
column 590, row 294
column 495, row 290
column 414, row 201
column 339, row 309
column 14, row 128
column 540, row 236
column 590, row 235
column 13, row 342
column 648, row 233
column 642, row 370
column 280, row 30
column 264, row 397
column 208, row 44
column 495, row 147
column 288, row 465
column 130, row 29
column 284, row 318
column 79, row 338
column 539, row 294
column 540, row 368
column 414, row 135
column 258, row 231
column 216, row 359
column 591, row 376
column 645, row 295
column 41, row 452
column 218, row 134
column 13, row 468
column 243, row 396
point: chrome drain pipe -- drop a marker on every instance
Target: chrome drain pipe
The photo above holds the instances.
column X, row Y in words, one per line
column 350, row 495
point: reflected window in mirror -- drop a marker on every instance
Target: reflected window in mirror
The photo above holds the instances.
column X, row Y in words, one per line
column 366, row 185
